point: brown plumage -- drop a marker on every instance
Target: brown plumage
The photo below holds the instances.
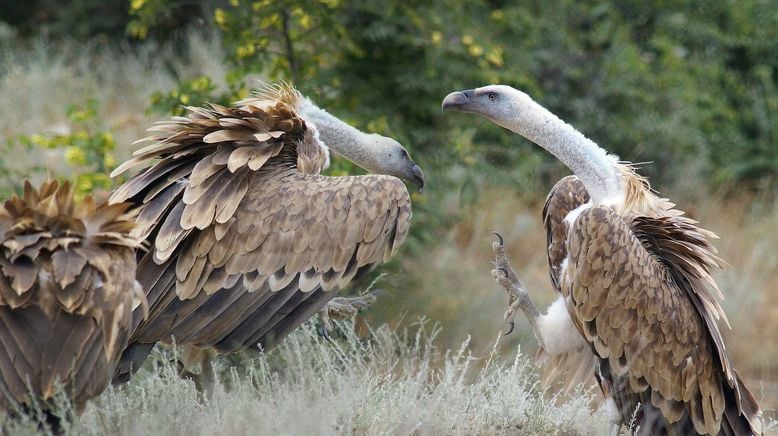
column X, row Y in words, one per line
column 67, row 288
column 635, row 277
column 248, row 239
column 638, row 291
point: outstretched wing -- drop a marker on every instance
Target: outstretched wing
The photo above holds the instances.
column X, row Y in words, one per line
column 293, row 241
column 639, row 297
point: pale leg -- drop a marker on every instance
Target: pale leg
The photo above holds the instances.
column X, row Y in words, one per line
column 518, row 297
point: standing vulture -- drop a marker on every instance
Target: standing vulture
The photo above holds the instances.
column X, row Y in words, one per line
column 248, row 239
column 634, row 281
column 67, row 289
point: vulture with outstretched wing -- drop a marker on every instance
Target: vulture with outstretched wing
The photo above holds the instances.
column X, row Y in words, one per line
column 248, row 240
column 634, row 281
column 67, row 291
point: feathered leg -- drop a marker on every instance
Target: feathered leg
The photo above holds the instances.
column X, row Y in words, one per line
column 343, row 308
column 518, row 297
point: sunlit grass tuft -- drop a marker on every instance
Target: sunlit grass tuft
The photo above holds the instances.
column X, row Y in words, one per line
column 386, row 383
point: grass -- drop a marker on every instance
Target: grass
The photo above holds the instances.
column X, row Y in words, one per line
column 391, row 383
column 386, row 383
column 37, row 83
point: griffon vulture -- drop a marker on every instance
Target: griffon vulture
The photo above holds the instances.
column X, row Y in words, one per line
column 634, row 281
column 67, row 289
column 247, row 239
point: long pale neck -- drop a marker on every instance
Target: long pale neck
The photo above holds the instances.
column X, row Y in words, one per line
column 587, row 160
column 340, row 137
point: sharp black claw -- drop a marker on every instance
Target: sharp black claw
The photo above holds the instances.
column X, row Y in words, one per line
column 511, row 326
column 499, row 237
column 324, row 333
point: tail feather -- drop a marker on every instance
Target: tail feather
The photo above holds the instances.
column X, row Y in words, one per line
column 568, row 371
column 742, row 415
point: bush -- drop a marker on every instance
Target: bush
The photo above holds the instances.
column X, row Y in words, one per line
column 87, row 147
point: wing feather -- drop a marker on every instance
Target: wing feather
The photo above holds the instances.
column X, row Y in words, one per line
column 264, row 241
column 687, row 381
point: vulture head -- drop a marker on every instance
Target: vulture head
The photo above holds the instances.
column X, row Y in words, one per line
column 375, row 153
column 501, row 104
column 389, row 157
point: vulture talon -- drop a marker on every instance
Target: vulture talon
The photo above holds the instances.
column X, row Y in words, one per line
column 511, row 326
column 518, row 297
column 344, row 308
column 325, row 334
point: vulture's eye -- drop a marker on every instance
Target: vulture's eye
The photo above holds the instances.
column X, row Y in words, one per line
column 405, row 153
column 492, row 96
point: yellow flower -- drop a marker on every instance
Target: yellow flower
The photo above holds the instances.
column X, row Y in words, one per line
column 200, row 84
column 305, row 21
column 39, row 140
column 137, row 4
column 498, row 14
column 184, row 98
column 235, row 3
column 138, row 32
column 475, row 50
column 220, row 16
column 495, row 56
column 245, row 50
column 436, row 37
column 84, row 184
column 108, row 140
column 75, row 156
column 467, row 40
column 110, row 160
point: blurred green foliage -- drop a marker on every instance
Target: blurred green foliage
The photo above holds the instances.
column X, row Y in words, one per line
column 87, row 148
column 686, row 84
column 679, row 84
column 79, row 19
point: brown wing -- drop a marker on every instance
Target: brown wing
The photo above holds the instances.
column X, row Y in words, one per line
column 566, row 195
column 293, row 241
column 648, row 318
column 204, row 163
column 66, row 294
column 248, row 241
column 568, row 370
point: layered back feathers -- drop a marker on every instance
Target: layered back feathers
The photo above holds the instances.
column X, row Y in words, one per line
column 47, row 225
column 208, row 157
column 67, row 291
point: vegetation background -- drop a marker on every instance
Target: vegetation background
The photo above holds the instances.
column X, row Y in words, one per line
column 688, row 87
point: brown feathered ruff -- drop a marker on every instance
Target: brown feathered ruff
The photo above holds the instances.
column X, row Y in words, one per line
column 638, row 284
column 67, row 291
column 248, row 240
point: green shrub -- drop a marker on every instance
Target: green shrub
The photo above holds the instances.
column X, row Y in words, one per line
column 87, row 148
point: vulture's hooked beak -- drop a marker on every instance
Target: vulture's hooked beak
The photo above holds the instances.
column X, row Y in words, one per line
column 418, row 177
column 457, row 101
